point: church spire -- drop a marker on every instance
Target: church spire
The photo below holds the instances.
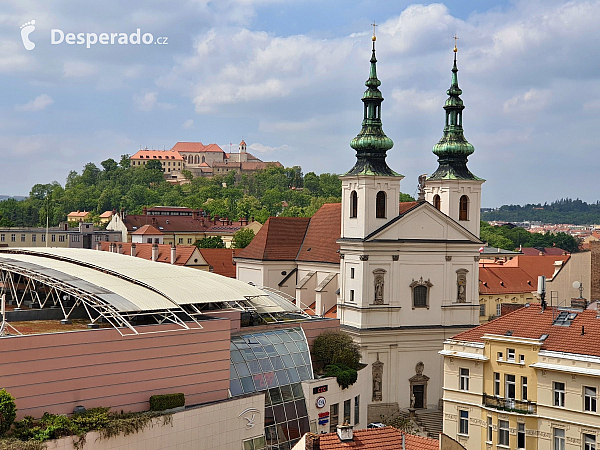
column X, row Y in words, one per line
column 372, row 144
column 453, row 149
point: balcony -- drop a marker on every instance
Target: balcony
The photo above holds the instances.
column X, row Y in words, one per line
column 510, row 404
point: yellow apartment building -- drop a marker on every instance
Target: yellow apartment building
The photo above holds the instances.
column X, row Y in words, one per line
column 528, row 380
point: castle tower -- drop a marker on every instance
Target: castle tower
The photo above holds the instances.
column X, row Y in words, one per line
column 452, row 188
column 370, row 190
column 242, row 149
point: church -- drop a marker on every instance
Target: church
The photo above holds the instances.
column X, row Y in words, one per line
column 400, row 276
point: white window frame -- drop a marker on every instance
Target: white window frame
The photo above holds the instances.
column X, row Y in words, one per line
column 558, row 435
column 497, row 384
column 510, row 354
column 521, row 434
column 510, row 380
column 589, row 441
column 490, row 430
column 589, row 400
column 463, row 423
column 524, row 388
column 463, row 379
column 503, row 433
column 558, row 394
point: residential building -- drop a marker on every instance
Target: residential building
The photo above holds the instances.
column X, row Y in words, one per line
column 177, row 225
column 79, row 216
column 85, row 235
column 171, row 160
column 528, row 379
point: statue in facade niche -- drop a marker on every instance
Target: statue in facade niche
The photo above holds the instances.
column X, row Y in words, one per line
column 461, row 281
column 377, row 380
column 379, row 290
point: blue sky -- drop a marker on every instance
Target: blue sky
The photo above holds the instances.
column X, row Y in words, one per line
column 287, row 77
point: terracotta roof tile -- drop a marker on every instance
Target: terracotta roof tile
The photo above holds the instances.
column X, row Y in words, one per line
column 279, row 239
column 530, row 322
column 378, row 439
column 495, row 279
column 196, row 147
column 183, row 254
column 147, row 229
column 220, row 260
column 323, row 231
column 158, row 154
column 405, row 206
column 106, row 214
column 537, row 265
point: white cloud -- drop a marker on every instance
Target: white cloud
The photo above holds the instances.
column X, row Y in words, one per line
column 532, row 100
column 39, row 103
column 78, row 69
column 187, row 124
column 260, row 148
column 148, row 101
column 407, row 101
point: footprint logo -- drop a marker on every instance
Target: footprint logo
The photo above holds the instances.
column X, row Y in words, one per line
column 26, row 30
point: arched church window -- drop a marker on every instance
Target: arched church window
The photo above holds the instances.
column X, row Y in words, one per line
column 437, row 202
column 353, row 204
column 380, row 205
column 463, row 208
column 420, row 293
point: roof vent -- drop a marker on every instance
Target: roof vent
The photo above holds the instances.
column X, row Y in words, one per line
column 508, row 333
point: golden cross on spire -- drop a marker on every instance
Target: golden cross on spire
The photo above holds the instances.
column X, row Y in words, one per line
column 373, row 25
column 455, row 39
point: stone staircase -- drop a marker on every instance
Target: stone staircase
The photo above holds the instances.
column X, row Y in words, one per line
column 431, row 420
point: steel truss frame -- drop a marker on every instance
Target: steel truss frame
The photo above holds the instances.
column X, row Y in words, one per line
column 46, row 291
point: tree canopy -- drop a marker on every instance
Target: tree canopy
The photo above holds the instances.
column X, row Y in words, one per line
column 511, row 238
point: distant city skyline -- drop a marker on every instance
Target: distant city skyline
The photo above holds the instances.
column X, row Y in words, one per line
column 287, row 77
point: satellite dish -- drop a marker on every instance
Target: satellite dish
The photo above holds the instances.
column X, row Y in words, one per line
column 576, row 284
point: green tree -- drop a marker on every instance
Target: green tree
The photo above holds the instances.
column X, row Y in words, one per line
column 406, row 197
column 336, row 348
column 210, row 242
column 242, row 238
column 8, row 411
column 154, row 164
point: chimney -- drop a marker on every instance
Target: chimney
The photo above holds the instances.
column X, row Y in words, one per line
column 215, row 219
column 195, row 214
column 144, row 210
column 133, row 250
column 312, row 441
column 66, row 226
column 154, row 251
column 153, row 220
column 173, row 254
column 345, row 432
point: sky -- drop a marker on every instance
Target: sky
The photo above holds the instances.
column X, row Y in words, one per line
column 288, row 76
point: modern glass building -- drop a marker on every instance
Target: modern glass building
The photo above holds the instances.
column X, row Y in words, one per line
column 275, row 362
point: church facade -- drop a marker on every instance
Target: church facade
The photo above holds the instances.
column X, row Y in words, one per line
column 407, row 277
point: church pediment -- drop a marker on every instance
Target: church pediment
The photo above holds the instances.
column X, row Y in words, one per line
column 423, row 222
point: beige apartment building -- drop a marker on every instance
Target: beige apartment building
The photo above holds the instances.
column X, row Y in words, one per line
column 528, row 380
column 83, row 236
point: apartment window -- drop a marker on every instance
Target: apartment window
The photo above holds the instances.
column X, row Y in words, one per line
column 559, row 439
column 490, row 429
column 33, row 237
column 2, row 237
column 53, row 238
column 509, row 386
column 22, row 237
column 559, row 394
column 334, row 413
column 521, row 359
column 356, row 409
column 524, row 388
column 149, row 240
column 180, row 241
column 43, row 238
column 496, row 384
column 13, row 237
column 464, row 379
column 589, row 398
column 347, row 411
column 464, row 422
column 500, row 356
column 498, row 310
column 589, row 442
column 351, row 295
column 482, row 310
column 61, row 238
column 352, row 273
column 520, row 435
column 503, row 435
column 510, row 354
column 189, row 240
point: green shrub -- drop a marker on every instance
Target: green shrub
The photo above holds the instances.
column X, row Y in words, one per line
column 8, row 411
column 345, row 375
column 166, row 401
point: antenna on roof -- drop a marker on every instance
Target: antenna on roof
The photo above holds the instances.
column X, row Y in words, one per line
column 578, row 285
column 541, row 290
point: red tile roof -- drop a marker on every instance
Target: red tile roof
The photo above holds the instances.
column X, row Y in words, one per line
column 323, row 231
column 279, row 239
column 388, row 438
column 536, row 251
column 537, row 265
column 78, row 214
column 332, row 313
column 147, row 229
column 106, row 214
column 405, row 206
column 495, row 279
column 196, row 147
column 183, row 253
column 220, row 260
column 530, row 322
column 158, row 154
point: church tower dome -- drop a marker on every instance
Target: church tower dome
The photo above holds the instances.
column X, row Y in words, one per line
column 370, row 190
column 452, row 188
